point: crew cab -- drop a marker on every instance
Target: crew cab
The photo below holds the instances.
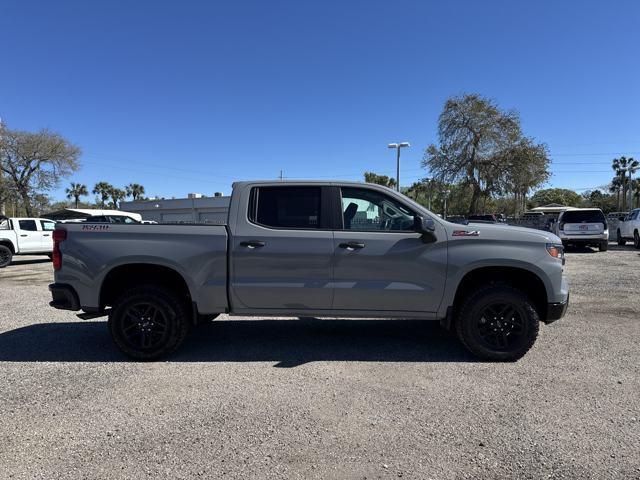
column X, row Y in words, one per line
column 629, row 228
column 25, row 236
column 307, row 248
column 584, row 227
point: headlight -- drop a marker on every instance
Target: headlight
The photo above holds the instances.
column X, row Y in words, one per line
column 556, row 251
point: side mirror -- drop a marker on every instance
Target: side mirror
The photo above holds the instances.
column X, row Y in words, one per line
column 425, row 226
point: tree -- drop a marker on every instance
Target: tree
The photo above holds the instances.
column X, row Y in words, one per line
column 34, row 163
column 621, row 166
column 103, row 190
column 75, row 191
column 134, row 190
column 561, row 196
column 116, row 195
column 472, row 131
column 371, row 177
column 525, row 166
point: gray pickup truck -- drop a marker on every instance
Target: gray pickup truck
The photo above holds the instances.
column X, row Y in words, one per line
column 305, row 248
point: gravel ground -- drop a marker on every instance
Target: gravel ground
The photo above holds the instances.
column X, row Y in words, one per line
column 309, row 398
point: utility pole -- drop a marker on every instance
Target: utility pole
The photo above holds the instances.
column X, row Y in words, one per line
column 280, row 174
column 398, row 146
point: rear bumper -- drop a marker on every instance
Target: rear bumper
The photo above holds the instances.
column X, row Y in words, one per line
column 555, row 311
column 64, row 297
column 577, row 238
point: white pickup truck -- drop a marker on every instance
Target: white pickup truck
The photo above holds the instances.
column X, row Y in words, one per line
column 629, row 228
column 25, row 236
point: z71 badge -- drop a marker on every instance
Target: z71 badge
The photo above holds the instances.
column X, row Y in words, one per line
column 93, row 228
column 465, row 233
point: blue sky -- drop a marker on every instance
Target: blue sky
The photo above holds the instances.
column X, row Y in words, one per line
column 190, row 96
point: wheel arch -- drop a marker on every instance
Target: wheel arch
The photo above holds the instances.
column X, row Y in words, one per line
column 9, row 244
column 123, row 277
column 524, row 279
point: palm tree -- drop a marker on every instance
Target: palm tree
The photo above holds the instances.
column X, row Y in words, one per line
column 116, row 195
column 134, row 190
column 103, row 190
column 75, row 191
column 616, row 183
column 621, row 166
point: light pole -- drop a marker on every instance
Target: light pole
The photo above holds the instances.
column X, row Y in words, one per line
column 398, row 146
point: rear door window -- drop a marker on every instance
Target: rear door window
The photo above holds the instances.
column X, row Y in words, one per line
column 28, row 225
column 286, row 207
column 583, row 216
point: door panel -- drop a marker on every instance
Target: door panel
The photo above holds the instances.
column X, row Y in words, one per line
column 392, row 272
column 47, row 235
column 285, row 262
column 29, row 237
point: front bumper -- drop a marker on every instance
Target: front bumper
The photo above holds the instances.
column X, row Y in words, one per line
column 555, row 311
column 64, row 297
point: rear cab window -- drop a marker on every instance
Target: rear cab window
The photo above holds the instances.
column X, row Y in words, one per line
column 286, row 207
column 47, row 226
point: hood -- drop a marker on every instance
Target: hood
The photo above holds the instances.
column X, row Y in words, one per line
column 503, row 232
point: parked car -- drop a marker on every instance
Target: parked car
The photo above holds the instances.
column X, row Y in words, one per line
column 25, row 236
column 629, row 228
column 584, row 227
column 313, row 249
column 483, row 218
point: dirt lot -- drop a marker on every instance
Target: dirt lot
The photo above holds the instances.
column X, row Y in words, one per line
column 311, row 398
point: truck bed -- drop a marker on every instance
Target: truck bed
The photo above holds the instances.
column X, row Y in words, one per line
column 198, row 252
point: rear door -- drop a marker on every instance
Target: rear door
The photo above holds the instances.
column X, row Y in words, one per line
column 583, row 222
column 381, row 263
column 282, row 249
column 47, row 227
column 29, row 236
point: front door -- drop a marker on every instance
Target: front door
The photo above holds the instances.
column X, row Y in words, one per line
column 29, row 237
column 381, row 264
column 281, row 252
column 47, row 227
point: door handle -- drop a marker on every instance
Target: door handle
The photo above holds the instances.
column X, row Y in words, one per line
column 253, row 244
column 46, row 235
column 352, row 245
column 24, row 235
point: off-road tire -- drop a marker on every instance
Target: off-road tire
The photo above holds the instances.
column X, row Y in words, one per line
column 6, row 255
column 127, row 329
column 621, row 241
column 604, row 246
column 471, row 312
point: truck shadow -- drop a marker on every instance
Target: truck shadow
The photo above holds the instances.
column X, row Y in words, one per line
column 289, row 343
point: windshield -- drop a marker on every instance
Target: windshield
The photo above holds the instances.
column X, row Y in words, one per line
column 583, row 216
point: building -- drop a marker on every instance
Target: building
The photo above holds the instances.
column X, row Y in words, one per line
column 193, row 209
column 84, row 213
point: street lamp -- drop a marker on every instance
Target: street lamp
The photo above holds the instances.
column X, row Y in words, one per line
column 398, row 146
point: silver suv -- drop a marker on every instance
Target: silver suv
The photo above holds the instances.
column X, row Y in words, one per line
column 584, row 227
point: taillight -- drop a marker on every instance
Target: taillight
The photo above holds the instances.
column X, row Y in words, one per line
column 59, row 236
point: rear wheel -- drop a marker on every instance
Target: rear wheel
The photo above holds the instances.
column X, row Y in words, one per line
column 636, row 239
column 148, row 322
column 604, row 246
column 621, row 241
column 5, row 256
column 497, row 322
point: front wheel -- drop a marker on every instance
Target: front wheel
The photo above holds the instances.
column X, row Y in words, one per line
column 5, row 256
column 621, row 241
column 497, row 322
column 148, row 322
